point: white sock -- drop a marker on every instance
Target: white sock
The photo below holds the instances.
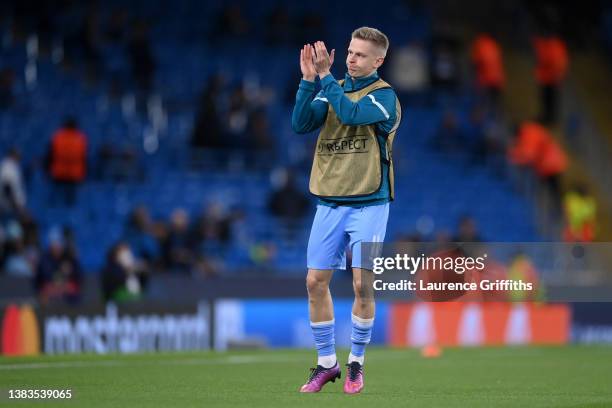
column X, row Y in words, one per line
column 327, row 361
column 352, row 358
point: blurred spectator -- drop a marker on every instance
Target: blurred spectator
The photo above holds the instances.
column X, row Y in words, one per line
column 408, row 68
column 142, row 235
column 7, row 82
column 207, row 131
column 580, row 211
column 484, row 138
column 141, row 56
column 236, row 122
column 475, row 137
column 550, row 165
column 260, row 139
column 535, row 146
column 123, row 277
column 12, row 193
column 448, row 138
column 497, row 137
column 480, row 139
column 213, row 228
column 521, row 268
column 552, row 63
column 177, row 245
column 487, row 60
column 467, row 230
column 287, row 202
column 16, row 262
column 231, row 24
column 67, row 159
column 59, row 273
column 237, row 118
column 118, row 163
column 213, row 234
column 530, row 136
column 263, row 254
column 31, row 245
column 444, row 70
column 70, row 242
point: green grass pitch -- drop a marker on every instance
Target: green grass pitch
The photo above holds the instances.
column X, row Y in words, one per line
column 573, row 376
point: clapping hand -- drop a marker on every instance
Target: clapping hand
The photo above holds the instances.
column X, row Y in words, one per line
column 322, row 60
column 306, row 63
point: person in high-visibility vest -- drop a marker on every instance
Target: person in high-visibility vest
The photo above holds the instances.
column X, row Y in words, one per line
column 580, row 211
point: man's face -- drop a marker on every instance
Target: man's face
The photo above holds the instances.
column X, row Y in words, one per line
column 363, row 58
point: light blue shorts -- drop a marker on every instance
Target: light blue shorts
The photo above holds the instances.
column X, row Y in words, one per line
column 336, row 230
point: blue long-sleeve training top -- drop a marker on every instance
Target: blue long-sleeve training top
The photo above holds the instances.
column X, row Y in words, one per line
column 377, row 107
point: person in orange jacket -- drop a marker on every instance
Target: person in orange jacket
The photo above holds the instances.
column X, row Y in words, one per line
column 486, row 55
column 552, row 63
column 536, row 148
column 67, row 160
column 550, row 164
column 531, row 136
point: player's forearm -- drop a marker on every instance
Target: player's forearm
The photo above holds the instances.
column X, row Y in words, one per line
column 303, row 118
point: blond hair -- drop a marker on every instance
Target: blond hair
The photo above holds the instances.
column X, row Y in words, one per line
column 373, row 35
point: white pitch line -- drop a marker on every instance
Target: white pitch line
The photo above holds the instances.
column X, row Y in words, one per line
column 393, row 354
column 247, row 359
column 58, row 364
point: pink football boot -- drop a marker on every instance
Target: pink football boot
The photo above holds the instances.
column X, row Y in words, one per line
column 353, row 383
column 320, row 376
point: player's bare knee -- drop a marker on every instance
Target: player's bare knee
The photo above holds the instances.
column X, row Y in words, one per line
column 317, row 285
column 359, row 288
column 363, row 290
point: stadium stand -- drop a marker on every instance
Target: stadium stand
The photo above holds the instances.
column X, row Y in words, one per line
column 139, row 135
